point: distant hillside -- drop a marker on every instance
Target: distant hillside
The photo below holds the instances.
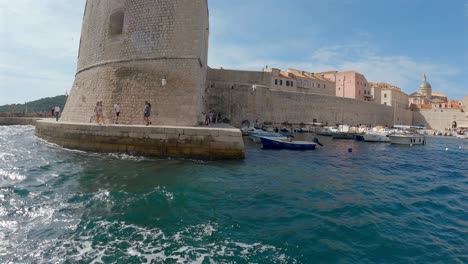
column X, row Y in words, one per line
column 41, row 105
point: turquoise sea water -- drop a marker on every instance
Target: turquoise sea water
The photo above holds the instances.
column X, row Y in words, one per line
column 378, row 204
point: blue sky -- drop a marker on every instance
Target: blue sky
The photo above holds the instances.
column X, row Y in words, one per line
column 389, row 41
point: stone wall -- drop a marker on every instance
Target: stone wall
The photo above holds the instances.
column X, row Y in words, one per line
column 132, row 85
column 162, row 141
column 241, row 100
column 160, row 39
column 439, row 119
column 17, row 121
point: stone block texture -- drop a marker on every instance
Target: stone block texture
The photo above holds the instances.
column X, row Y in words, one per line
column 127, row 47
column 235, row 95
column 161, row 141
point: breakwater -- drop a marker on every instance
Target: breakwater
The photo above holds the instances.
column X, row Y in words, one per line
column 160, row 141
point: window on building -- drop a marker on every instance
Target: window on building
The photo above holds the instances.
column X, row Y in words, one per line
column 116, row 23
column 319, row 85
column 281, row 82
column 385, row 103
column 287, row 83
column 385, row 95
column 276, row 81
column 324, row 86
column 292, row 83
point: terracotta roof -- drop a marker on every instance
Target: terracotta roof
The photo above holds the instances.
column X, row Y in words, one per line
column 284, row 75
column 327, row 72
column 308, row 75
column 384, row 86
column 439, row 95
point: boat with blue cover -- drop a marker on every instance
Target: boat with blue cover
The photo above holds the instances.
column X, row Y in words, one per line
column 272, row 143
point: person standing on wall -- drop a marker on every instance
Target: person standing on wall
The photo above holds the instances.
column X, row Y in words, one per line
column 116, row 112
column 147, row 113
column 57, row 113
column 98, row 112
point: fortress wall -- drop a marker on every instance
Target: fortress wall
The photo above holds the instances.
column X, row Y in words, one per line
column 151, row 28
column 439, row 119
column 18, row 121
column 238, row 77
column 160, row 39
column 131, row 84
column 241, row 102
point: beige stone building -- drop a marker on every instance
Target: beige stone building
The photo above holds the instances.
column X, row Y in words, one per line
column 376, row 93
column 299, row 81
column 281, row 81
column 392, row 95
column 308, row 82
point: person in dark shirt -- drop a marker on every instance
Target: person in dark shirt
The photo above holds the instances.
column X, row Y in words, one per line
column 147, row 113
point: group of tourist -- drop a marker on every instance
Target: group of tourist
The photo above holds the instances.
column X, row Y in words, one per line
column 98, row 111
column 212, row 118
column 54, row 112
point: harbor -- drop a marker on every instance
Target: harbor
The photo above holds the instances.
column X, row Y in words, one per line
column 379, row 203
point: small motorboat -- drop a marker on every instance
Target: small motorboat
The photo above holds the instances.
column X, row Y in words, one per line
column 324, row 131
column 406, row 138
column 256, row 138
column 345, row 132
column 344, row 135
column 377, row 137
column 272, row 143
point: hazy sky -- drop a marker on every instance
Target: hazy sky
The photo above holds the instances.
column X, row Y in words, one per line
column 393, row 41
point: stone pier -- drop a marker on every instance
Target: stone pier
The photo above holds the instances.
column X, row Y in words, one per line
column 160, row 141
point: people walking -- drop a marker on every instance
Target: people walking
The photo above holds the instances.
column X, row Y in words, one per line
column 147, row 113
column 116, row 113
column 57, row 113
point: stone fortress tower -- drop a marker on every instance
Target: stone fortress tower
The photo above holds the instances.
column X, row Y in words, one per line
column 132, row 51
column 425, row 89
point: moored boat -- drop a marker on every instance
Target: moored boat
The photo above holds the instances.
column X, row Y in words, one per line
column 343, row 135
column 377, row 137
column 257, row 137
column 407, row 139
column 324, row 131
column 271, row 143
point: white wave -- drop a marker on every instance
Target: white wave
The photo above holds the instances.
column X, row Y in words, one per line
column 56, row 146
column 162, row 190
column 4, row 156
column 153, row 245
column 124, row 156
column 14, row 176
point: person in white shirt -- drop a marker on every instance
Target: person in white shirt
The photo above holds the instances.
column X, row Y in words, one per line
column 57, row 113
column 116, row 112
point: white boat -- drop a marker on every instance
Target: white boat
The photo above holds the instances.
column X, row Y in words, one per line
column 377, row 137
column 345, row 132
column 324, row 131
column 407, row 139
column 378, row 134
column 257, row 137
column 462, row 134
